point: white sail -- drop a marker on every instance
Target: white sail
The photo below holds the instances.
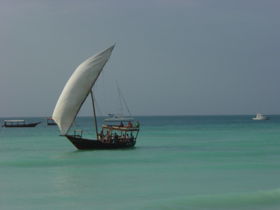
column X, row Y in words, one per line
column 77, row 89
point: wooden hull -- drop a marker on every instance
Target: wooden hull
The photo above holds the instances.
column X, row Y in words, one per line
column 21, row 125
column 88, row 144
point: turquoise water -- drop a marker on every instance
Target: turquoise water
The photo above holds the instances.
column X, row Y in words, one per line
column 191, row 162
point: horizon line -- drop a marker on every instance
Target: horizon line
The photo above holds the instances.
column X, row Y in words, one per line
column 171, row 115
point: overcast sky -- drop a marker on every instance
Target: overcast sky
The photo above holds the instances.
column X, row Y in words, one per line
column 172, row 57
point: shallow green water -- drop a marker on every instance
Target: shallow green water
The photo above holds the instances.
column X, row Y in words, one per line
column 193, row 162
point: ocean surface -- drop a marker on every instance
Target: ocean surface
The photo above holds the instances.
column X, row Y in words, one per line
column 180, row 162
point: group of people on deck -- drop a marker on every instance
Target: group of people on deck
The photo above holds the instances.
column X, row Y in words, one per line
column 129, row 124
column 114, row 137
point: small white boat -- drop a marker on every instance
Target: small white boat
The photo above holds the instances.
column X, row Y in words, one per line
column 260, row 117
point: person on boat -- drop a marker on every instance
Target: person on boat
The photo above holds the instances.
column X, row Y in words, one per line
column 123, row 138
column 101, row 134
column 116, row 136
column 121, row 124
column 107, row 137
column 129, row 124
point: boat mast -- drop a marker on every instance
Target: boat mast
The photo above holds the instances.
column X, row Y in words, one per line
column 122, row 100
column 94, row 114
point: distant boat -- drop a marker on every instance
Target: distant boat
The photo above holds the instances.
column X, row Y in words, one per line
column 50, row 121
column 118, row 118
column 260, row 117
column 18, row 124
column 120, row 134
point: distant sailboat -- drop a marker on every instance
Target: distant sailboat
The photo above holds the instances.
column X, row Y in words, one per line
column 260, row 117
column 75, row 92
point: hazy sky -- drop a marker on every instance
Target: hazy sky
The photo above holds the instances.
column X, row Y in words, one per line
column 171, row 57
